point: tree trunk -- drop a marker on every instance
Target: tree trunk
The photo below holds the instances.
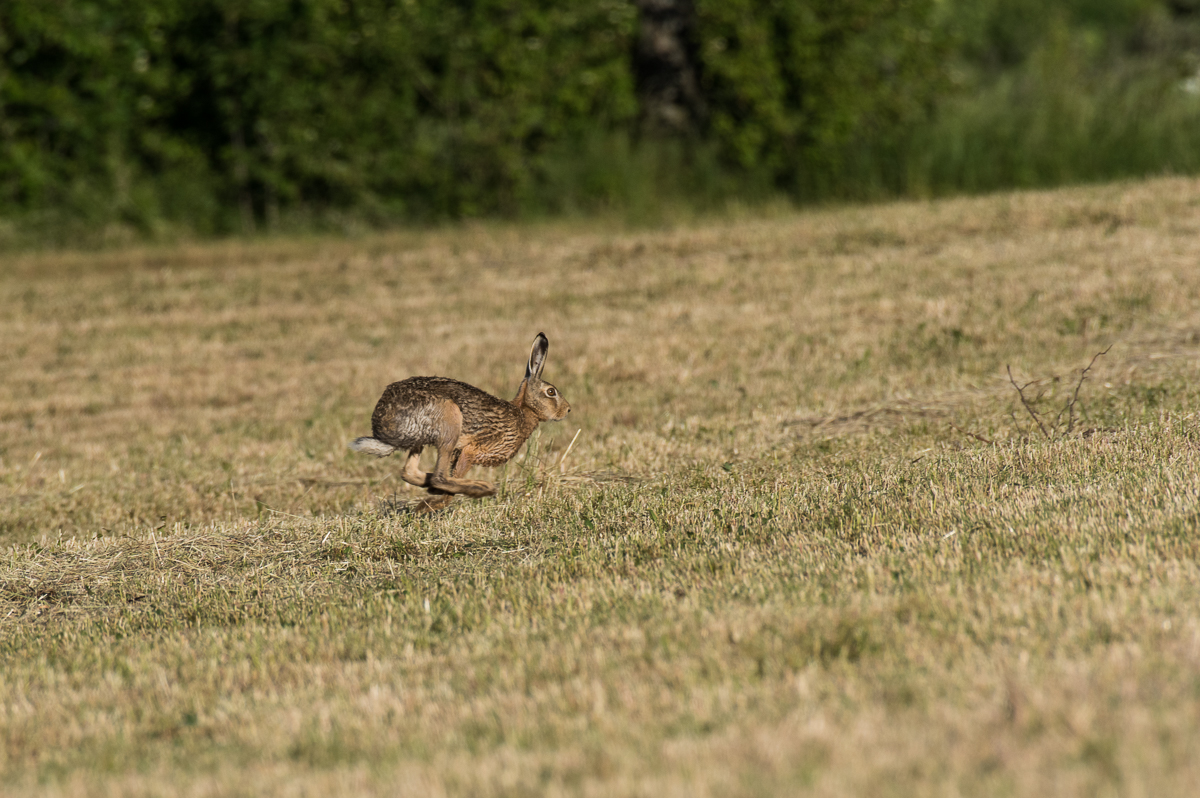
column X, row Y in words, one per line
column 664, row 63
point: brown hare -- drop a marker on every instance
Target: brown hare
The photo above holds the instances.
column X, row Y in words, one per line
column 468, row 426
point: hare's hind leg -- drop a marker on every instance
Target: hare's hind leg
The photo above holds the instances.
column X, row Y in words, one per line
column 449, row 469
column 441, row 480
column 440, row 498
column 413, row 475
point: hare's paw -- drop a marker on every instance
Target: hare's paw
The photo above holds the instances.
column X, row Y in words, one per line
column 477, row 490
column 467, row 487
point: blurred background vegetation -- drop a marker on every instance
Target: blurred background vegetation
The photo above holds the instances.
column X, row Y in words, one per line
column 236, row 116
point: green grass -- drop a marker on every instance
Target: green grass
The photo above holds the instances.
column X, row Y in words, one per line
column 808, row 540
column 1053, row 123
column 1064, row 116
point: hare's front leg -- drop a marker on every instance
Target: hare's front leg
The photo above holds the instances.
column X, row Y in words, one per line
column 415, row 476
column 441, row 496
column 453, row 461
column 447, row 476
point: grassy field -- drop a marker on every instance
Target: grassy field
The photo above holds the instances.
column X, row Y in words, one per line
column 808, row 539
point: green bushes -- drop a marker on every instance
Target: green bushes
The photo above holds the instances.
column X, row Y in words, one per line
column 1066, row 114
column 227, row 114
column 791, row 84
column 234, row 115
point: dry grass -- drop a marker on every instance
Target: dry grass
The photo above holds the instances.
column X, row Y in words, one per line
column 807, row 541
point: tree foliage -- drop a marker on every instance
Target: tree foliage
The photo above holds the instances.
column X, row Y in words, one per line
column 229, row 110
column 791, row 83
column 234, row 114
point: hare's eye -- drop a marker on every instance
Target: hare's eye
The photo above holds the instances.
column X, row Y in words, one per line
column 550, row 392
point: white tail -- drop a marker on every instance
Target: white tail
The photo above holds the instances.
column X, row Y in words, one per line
column 372, row 446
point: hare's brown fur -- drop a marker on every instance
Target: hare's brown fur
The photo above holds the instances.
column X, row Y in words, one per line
column 468, row 426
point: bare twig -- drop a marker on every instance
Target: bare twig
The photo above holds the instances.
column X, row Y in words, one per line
column 979, row 438
column 1075, row 398
column 1029, row 408
column 1012, row 414
column 1056, row 428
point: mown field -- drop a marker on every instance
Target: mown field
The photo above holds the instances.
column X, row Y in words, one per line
column 807, row 540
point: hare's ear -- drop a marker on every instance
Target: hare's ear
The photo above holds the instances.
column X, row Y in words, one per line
column 537, row 357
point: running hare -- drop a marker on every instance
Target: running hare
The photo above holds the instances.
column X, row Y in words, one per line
column 468, row 427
